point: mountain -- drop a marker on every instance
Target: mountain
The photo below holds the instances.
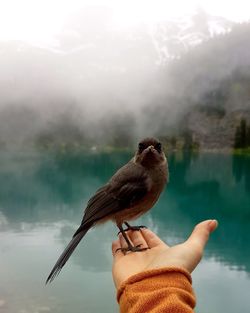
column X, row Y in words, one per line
column 210, row 90
column 175, row 37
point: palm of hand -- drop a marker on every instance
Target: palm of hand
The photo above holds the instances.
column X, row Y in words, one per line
column 186, row 255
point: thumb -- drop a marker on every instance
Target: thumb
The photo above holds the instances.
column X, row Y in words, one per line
column 201, row 233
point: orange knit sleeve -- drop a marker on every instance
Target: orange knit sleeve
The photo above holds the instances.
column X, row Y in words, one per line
column 160, row 290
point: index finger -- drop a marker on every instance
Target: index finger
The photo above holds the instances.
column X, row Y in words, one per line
column 152, row 239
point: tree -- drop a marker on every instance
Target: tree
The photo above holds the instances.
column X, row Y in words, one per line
column 248, row 137
column 188, row 140
column 240, row 139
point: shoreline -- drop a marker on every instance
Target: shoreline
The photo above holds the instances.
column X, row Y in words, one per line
column 96, row 149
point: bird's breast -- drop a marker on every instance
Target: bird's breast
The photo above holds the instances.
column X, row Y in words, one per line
column 138, row 209
column 158, row 181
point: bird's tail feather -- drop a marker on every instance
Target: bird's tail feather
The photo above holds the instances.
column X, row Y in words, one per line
column 67, row 253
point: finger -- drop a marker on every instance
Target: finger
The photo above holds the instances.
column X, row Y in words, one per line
column 116, row 252
column 201, row 233
column 151, row 238
column 137, row 239
column 123, row 242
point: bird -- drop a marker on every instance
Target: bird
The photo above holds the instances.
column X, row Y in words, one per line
column 130, row 192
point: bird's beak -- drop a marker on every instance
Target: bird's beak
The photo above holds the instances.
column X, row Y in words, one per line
column 150, row 148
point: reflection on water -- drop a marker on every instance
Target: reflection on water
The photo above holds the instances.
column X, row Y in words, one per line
column 41, row 201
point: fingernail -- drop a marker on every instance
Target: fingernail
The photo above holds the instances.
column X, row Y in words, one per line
column 213, row 224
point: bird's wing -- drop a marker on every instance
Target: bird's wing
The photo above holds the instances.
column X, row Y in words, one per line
column 126, row 188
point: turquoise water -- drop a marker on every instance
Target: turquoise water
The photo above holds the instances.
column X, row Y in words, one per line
column 42, row 196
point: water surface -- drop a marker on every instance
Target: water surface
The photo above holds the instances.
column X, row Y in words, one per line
column 42, row 196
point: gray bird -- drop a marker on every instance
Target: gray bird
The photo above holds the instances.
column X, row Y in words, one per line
column 131, row 191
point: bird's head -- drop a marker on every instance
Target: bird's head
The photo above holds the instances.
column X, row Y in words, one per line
column 150, row 153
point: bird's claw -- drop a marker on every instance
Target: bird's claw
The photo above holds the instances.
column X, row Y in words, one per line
column 132, row 249
column 133, row 228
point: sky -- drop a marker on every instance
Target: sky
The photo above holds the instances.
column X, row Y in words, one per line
column 41, row 21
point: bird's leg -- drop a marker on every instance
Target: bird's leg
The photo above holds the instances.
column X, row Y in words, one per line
column 130, row 227
column 136, row 228
column 122, row 231
column 130, row 247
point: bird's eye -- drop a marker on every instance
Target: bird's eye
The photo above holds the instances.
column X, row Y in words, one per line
column 141, row 147
column 158, row 147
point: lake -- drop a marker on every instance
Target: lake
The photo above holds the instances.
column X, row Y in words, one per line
column 42, row 196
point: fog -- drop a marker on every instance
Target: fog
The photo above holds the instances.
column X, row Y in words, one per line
column 100, row 80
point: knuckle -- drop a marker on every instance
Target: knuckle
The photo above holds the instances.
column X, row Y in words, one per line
column 198, row 249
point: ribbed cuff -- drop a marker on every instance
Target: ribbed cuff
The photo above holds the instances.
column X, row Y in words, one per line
column 152, row 273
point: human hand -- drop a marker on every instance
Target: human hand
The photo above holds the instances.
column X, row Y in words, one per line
column 186, row 255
